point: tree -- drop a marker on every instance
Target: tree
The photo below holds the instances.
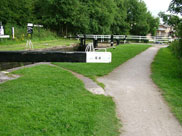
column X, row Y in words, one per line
column 60, row 15
column 101, row 15
column 141, row 21
column 171, row 20
column 120, row 26
column 80, row 16
column 153, row 24
column 16, row 11
column 176, row 6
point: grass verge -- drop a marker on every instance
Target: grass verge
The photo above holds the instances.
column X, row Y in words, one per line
column 48, row 101
column 120, row 55
column 167, row 74
column 38, row 44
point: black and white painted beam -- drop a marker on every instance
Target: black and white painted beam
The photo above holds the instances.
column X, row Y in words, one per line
column 55, row 56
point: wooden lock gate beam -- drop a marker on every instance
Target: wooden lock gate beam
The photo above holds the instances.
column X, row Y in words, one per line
column 55, row 56
column 42, row 56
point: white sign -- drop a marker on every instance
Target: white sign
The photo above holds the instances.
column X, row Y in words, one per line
column 38, row 25
column 98, row 57
column 30, row 24
column 4, row 36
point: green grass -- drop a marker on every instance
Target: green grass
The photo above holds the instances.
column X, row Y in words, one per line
column 167, row 74
column 48, row 101
column 119, row 55
column 38, row 44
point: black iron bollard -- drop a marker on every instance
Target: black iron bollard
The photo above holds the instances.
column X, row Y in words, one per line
column 112, row 40
column 81, row 42
column 95, row 42
column 84, row 40
column 118, row 41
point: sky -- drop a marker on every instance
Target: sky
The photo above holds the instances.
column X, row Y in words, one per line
column 155, row 6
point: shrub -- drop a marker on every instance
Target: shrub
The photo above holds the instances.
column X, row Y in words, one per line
column 176, row 48
column 21, row 33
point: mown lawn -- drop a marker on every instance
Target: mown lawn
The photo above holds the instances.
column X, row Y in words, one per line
column 119, row 55
column 13, row 45
column 48, row 101
column 167, row 74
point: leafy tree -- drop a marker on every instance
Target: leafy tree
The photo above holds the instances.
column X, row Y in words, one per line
column 140, row 20
column 153, row 24
column 176, row 6
column 57, row 14
column 171, row 20
column 80, row 16
column 16, row 11
column 120, row 26
column 101, row 15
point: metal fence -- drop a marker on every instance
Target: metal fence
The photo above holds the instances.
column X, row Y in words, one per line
column 155, row 39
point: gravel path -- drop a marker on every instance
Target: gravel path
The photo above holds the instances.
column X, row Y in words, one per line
column 90, row 85
column 140, row 106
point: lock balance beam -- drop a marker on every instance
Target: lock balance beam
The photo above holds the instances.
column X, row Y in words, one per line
column 55, row 56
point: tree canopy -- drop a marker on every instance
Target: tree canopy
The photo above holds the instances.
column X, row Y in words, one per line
column 176, row 6
column 176, row 22
column 82, row 16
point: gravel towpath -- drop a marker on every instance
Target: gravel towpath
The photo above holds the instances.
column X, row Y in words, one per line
column 140, row 105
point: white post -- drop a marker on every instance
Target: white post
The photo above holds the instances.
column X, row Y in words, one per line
column 154, row 39
column 1, row 30
column 13, row 32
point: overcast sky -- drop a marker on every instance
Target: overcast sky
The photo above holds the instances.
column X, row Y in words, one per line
column 155, row 6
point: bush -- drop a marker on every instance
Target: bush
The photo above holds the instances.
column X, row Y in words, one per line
column 146, row 41
column 176, row 48
column 43, row 34
column 21, row 33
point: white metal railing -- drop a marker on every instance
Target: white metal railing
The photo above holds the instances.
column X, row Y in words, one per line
column 136, row 37
column 119, row 36
column 129, row 37
column 90, row 48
